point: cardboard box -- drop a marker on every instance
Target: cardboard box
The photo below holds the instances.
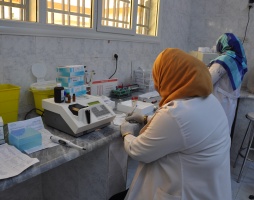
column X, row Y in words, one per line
column 103, row 87
column 77, row 90
column 71, row 70
column 70, row 81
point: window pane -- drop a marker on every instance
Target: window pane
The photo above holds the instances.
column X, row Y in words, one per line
column 88, row 22
column 16, row 13
column 57, row 5
column 49, row 4
column 147, row 17
column 74, row 12
column 7, row 14
column 87, row 8
column 74, row 20
column 49, row 17
column 116, row 13
column 17, row 1
column 18, row 10
column 58, row 18
column 66, row 5
column 74, row 6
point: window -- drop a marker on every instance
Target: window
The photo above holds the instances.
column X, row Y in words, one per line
column 70, row 13
column 116, row 16
column 147, row 17
column 121, row 17
column 129, row 17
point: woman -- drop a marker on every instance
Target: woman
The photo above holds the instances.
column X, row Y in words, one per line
column 227, row 72
column 183, row 150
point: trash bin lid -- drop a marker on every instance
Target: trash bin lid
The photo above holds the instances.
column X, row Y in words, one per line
column 39, row 70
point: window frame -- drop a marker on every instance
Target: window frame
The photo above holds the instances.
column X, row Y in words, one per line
column 41, row 28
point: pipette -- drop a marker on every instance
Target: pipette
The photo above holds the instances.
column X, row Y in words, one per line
column 64, row 142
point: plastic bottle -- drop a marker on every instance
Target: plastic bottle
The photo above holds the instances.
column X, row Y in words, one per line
column 59, row 93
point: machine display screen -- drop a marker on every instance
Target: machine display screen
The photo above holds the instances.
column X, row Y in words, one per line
column 93, row 103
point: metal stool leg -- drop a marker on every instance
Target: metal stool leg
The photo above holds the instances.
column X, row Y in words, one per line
column 241, row 147
column 247, row 152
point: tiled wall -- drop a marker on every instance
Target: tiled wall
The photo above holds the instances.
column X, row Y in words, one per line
column 184, row 24
column 19, row 53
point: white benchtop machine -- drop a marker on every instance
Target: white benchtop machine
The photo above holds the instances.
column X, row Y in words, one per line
column 85, row 115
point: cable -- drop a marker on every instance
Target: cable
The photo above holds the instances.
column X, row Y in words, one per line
column 116, row 57
column 247, row 23
column 32, row 111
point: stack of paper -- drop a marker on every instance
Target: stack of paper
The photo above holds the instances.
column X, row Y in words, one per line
column 13, row 162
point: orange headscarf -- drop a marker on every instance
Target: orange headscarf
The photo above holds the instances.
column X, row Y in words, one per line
column 178, row 75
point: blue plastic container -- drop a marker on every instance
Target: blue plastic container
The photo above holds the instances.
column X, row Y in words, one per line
column 24, row 139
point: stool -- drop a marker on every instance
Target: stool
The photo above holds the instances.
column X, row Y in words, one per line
column 250, row 130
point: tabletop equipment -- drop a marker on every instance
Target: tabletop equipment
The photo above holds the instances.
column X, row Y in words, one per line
column 83, row 116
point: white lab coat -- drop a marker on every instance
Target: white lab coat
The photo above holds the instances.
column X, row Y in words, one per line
column 222, row 89
column 183, row 153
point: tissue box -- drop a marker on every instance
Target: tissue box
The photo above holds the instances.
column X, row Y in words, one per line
column 70, row 71
column 71, row 81
column 25, row 138
column 77, row 90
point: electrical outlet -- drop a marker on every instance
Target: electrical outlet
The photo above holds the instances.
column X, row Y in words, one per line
column 251, row 2
column 115, row 56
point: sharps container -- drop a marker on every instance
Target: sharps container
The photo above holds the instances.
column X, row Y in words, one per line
column 41, row 89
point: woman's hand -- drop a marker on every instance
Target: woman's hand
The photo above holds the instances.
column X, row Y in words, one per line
column 127, row 128
column 135, row 118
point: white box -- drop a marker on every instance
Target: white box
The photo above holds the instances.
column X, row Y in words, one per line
column 70, row 81
column 142, row 107
column 71, row 70
column 103, row 87
column 77, row 90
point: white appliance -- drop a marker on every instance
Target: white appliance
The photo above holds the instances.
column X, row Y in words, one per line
column 143, row 108
column 85, row 115
column 204, row 57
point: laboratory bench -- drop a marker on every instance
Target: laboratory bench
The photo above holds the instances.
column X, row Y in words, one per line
column 94, row 174
column 67, row 173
